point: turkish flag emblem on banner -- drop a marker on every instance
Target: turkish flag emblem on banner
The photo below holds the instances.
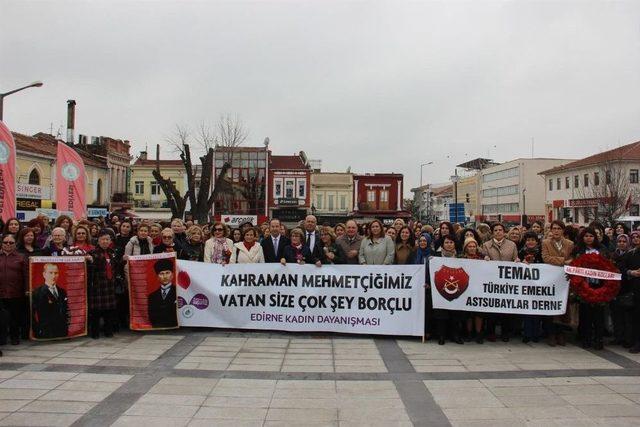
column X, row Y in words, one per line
column 7, row 174
column 70, row 182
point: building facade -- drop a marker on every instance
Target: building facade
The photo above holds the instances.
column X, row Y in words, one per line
column 289, row 197
column 331, row 196
column 513, row 192
column 148, row 199
column 378, row 195
column 603, row 186
column 36, row 177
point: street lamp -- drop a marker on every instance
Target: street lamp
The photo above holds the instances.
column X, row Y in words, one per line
column 421, row 166
column 421, row 193
column 11, row 92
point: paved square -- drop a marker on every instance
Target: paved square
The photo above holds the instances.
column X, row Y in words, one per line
column 208, row 377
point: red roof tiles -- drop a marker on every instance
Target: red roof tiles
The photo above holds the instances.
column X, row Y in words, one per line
column 287, row 162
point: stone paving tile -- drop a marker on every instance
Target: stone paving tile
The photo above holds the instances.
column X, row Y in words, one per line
column 162, row 410
column 285, row 355
column 58, row 406
column 39, row 419
column 137, row 421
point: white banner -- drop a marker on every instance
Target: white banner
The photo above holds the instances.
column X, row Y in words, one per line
column 591, row 273
column 385, row 300
column 498, row 287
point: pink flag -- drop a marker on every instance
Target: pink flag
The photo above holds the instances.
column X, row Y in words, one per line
column 70, row 182
column 7, row 173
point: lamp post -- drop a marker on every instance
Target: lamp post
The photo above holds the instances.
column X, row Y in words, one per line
column 11, row 92
column 421, row 193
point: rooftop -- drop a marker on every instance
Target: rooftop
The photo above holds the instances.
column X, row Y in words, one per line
column 287, row 162
column 47, row 145
column 629, row 152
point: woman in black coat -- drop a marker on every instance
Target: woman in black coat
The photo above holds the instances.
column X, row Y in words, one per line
column 591, row 316
column 101, row 288
column 296, row 252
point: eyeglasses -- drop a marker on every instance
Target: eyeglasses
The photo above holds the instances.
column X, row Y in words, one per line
column 8, row 242
column 167, row 237
column 218, row 229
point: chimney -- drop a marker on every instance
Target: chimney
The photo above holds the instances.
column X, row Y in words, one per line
column 71, row 120
column 143, row 155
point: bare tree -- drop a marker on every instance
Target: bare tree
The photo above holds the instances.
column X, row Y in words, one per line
column 229, row 133
column 609, row 193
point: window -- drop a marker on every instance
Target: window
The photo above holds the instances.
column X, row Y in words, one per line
column 343, row 202
column 302, row 188
column 558, row 183
column 634, row 210
column 501, row 208
column 155, row 189
column 371, row 196
column 507, row 173
column 633, row 176
column 289, row 188
column 506, row 191
column 586, row 180
column 330, row 202
column 566, row 182
column 277, row 188
column 384, row 199
column 576, row 181
column 607, row 177
column 596, row 178
column 34, row 177
column 550, row 185
column 139, row 187
column 318, row 201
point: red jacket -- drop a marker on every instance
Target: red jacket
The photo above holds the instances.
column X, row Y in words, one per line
column 13, row 271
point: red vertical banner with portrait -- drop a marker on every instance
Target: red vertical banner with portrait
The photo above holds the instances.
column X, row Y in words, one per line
column 153, row 300
column 58, row 297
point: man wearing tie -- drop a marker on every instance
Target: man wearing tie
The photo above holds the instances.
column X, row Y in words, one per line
column 49, row 306
column 273, row 246
column 312, row 237
column 162, row 302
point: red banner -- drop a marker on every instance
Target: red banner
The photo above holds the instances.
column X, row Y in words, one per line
column 7, row 174
column 153, row 299
column 58, row 295
column 70, row 182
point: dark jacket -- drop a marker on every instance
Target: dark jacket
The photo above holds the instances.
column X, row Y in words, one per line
column 162, row 248
column 268, row 251
column 290, row 255
column 531, row 256
column 36, row 252
column 101, row 290
column 50, row 315
column 162, row 312
column 337, row 251
column 192, row 252
column 13, row 275
column 51, row 250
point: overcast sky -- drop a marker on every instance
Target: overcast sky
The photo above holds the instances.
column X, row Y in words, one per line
column 378, row 86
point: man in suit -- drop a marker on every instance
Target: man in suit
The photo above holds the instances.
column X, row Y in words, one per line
column 162, row 302
column 273, row 246
column 50, row 308
column 312, row 237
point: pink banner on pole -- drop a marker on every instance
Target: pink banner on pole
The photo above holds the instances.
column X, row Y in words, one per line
column 70, row 182
column 7, row 173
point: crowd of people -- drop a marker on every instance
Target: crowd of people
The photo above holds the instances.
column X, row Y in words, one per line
column 107, row 244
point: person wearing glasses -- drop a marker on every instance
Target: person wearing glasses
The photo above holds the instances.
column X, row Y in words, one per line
column 13, row 270
column 217, row 250
column 167, row 244
column 58, row 243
